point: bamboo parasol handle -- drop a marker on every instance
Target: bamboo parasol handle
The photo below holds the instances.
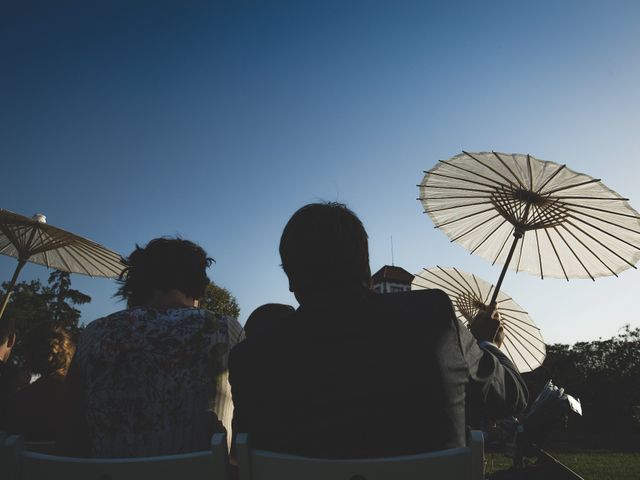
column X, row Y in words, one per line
column 516, row 236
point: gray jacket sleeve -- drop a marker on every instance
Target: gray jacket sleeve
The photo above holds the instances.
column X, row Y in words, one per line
column 495, row 386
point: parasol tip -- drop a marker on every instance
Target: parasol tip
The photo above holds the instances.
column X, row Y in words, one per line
column 40, row 218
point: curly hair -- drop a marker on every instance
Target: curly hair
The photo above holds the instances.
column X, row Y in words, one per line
column 324, row 246
column 162, row 265
column 49, row 349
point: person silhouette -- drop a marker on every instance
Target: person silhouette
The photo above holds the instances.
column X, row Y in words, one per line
column 352, row 373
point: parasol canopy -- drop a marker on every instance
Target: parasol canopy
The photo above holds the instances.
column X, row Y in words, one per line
column 523, row 343
column 570, row 224
column 33, row 240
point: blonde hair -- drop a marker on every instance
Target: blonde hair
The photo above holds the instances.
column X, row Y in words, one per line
column 50, row 349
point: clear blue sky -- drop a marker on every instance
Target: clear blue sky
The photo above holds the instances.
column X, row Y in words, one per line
column 123, row 121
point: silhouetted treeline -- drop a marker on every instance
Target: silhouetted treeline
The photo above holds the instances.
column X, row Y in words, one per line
column 603, row 374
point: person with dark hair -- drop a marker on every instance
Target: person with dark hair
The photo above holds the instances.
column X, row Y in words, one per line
column 12, row 378
column 356, row 374
column 153, row 379
column 36, row 410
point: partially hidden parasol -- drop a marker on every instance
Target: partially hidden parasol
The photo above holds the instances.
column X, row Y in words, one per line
column 567, row 224
column 523, row 343
column 33, row 240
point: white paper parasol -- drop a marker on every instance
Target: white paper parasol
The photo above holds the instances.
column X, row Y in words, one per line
column 523, row 343
column 33, row 240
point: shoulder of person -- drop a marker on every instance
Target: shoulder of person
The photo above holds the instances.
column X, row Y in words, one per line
column 431, row 298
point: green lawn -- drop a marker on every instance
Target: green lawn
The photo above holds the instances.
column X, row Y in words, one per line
column 596, row 465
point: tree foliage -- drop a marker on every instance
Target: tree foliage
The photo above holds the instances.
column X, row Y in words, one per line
column 33, row 303
column 604, row 374
column 220, row 300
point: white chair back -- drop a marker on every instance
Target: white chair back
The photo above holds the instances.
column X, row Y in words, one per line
column 459, row 463
column 25, row 465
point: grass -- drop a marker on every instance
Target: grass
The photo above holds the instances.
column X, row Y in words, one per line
column 594, row 465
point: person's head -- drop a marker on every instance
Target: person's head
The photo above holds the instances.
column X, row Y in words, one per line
column 49, row 350
column 163, row 266
column 324, row 248
column 265, row 317
column 7, row 337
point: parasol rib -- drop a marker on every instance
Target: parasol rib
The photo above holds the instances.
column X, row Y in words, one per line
column 488, row 167
column 454, row 197
column 478, row 225
column 460, row 188
column 603, row 245
column 433, row 210
column 521, row 332
column 100, row 256
column 79, row 263
column 520, row 256
column 487, row 237
column 506, row 347
column 521, row 338
column 517, row 338
column 456, row 287
column 469, row 171
column 551, row 177
column 588, row 207
column 607, row 233
column 444, row 285
column 539, row 255
column 506, row 239
column 637, row 232
column 574, row 253
column 457, row 280
column 518, row 179
column 570, row 197
column 530, row 173
column 575, row 185
column 478, row 292
column 587, row 247
column 461, row 179
column 557, row 255
column 465, row 217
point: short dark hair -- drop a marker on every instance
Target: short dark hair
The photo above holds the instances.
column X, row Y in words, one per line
column 163, row 265
column 324, row 247
column 7, row 328
column 49, row 349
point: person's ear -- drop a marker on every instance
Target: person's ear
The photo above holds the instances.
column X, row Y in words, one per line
column 11, row 340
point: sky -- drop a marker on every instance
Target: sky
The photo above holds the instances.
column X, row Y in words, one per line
column 215, row 121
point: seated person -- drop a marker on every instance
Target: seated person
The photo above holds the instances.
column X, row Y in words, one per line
column 153, row 379
column 37, row 408
column 356, row 374
column 261, row 319
column 12, row 378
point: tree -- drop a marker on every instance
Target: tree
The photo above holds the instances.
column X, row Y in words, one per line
column 62, row 299
column 604, row 375
column 33, row 303
column 219, row 300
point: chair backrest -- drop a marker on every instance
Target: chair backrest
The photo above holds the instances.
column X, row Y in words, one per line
column 25, row 465
column 49, row 448
column 459, row 463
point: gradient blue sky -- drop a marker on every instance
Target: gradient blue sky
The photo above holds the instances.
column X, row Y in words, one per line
column 123, row 121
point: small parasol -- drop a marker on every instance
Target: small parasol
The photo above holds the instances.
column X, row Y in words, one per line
column 567, row 224
column 523, row 343
column 33, row 240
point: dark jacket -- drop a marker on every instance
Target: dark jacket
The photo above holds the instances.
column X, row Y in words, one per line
column 12, row 379
column 372, row 376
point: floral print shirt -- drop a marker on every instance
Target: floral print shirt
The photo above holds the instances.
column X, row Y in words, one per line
column 156, row 382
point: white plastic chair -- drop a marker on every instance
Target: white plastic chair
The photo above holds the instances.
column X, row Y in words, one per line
column 49, row 448
column 458, row 463
column 24, row 465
